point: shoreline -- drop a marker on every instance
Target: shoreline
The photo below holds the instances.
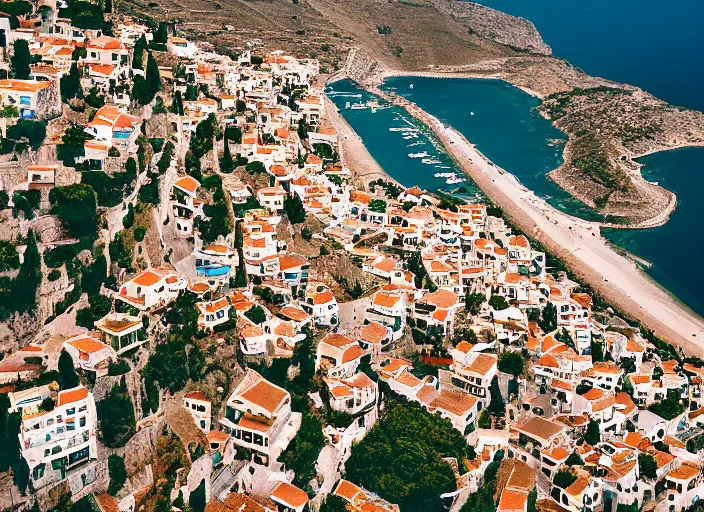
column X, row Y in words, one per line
column 577, row 242
column 657, row 220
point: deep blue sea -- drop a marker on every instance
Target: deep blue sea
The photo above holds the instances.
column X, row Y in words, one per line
column 652, row 44
column 658, row 46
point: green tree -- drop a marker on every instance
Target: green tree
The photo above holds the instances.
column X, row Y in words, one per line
column 117, row 472
column 497, row 406
column 108, row 6
column 116, row 418
column 227, row 165
column 256, row 314
column 153, row 76
column 162, row 34
column 333, row 503
column 84, row 15
column 294, row 210
column 498, row 302
column 9, row 259
column 19, row 62
column 548, row 319
column 473, row 302
column 302, row 453
column 564, row 479
column 593, row 435
column 71, row 84
column 400, row 458
column 511, row 362
column 4, row 200
column 177, row 104
column 669, row 408
column 377, row 205
column 75, row 205
column 484, row 420
column 69, row 378
column 138, row 53
column 197, row 498
column 574, row 460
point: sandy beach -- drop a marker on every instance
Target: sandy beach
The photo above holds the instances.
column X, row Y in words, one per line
column 353, row 152
column 577, row 242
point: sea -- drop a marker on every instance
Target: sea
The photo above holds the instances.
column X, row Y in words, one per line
column 658, row 46
column 652, row 44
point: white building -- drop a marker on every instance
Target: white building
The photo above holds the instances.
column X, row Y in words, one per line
column 58, row 431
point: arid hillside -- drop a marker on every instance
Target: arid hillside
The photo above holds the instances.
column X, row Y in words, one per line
column 609, row 124
column 402, row 34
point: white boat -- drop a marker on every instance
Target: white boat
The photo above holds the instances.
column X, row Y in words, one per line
column 411, row 86
column 431, row 161
column 418, row 155
column 444, row 174
column 454, row 179
column 358, row 106
column 471, row 113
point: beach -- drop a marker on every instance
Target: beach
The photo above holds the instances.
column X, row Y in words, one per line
column 577, row 242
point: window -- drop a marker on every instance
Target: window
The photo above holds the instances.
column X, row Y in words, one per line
column 93, row 55
column 38, row 471
column 71, row 425
column 70, row 411
column 25, row 100
column 247, row 437
column 82, row 408
column 82, row 421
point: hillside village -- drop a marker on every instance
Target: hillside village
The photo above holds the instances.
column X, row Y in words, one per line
column 205, row 309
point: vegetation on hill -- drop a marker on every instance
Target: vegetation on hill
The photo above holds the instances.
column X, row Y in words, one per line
column 400, row 458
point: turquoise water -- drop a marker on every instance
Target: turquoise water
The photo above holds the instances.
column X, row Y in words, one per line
column 657, row 46
column 670, row 246
column 390, row 135
column 502, row 122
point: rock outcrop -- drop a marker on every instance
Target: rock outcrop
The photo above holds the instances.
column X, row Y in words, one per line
column 518, row 33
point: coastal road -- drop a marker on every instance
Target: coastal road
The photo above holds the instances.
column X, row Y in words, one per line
column 577, row 242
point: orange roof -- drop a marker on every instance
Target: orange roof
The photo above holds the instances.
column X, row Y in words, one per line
column 338, row 340
column 187, row 183
column 146, row 278
column 385, row 300
column 347, row 490
column 103, row 69
column 441, row 298
column 352, row 353
column 23, row 85
column 289, row 495
column 373, row 332
column 287, row 261
column 88, row 345
column 511, row 501
column 72, row 395
column 197, row 395
column 323, row 297
column 265, row 395
column 106, row 43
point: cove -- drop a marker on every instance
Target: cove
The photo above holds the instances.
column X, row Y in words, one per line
column 669, row 247
column 391, row 135
column 501, row 120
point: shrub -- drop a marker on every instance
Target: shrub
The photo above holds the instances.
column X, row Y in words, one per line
column 75, row 205
column 117, row 472
column 118, row 368
column 54, row 275
column 139, row 233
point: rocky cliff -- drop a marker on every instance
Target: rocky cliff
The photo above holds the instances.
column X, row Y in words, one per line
column 518, row 33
